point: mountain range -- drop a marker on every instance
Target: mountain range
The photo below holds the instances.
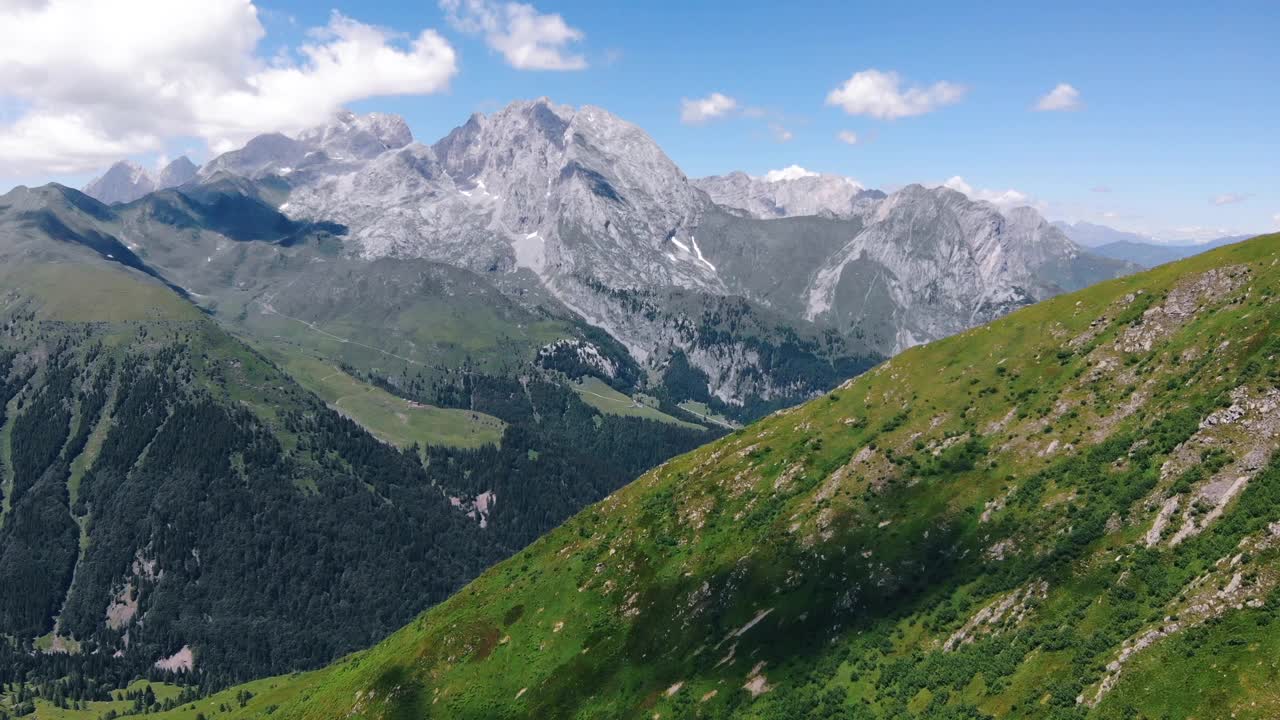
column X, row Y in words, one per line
column 384, row 365
column 169, row 488
column 789, row 192
column 126, row 181
column 581, row 206
column 1070, row 512
column 1134, row 247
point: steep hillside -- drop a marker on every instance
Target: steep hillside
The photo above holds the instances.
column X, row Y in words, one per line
column 161, row 481
column 171, row 501
column 420, row 327
column 1071, row 512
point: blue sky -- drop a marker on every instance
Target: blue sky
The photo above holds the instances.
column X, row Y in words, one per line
column 1174, row 133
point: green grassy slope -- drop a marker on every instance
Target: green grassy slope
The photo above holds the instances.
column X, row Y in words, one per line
column 100, row 294
column 390, row 418
column 1071, row 512
column 45, row 709
column 600, row 396
column 167, row 486
column 397, row 318
column 126, row 415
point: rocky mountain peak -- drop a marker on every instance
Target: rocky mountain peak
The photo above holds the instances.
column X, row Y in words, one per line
column 565, row 183
column 127, row 181
column 178, row 172
column 124, row 181
column 269, row 153
column 949, row 261
column 349, row 135
column 789, row 192
column 589, row 204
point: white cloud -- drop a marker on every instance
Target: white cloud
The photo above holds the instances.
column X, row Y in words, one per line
column 1229, row 198
column 791, row 172
column 527, row 39
column 703, row 110
column 848, row 137
column 880, row 95
column 1100, row 189
column 1275, row 221
column 1062, row 97
column 780, row 133
column 95, row 80
column 1003, row 199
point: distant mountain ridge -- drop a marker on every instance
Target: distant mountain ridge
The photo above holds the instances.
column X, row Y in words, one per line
column 100, row 336
column 1151, row 255
column 1140, row 249
column 790, row 192
column 589, row 207
column 126, row 181
column 1091, row 235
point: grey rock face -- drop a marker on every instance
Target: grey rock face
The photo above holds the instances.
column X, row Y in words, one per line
column 576, row 196
column 263, row 155
column 789, row 193
column 123, row 182
column 578, row 192
column 178, row 172
column 932, row 262
column 359, row 136
column 591, row 207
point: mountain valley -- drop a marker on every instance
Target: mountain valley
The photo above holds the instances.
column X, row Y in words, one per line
column 1069, row 512
column 260, row 413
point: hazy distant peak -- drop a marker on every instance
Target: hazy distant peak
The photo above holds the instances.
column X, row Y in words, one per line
column 124, row 181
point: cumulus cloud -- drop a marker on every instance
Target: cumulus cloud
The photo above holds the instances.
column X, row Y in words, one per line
column 791, row 172
column 95, row 80
column 1061, row 97
column 1275, row 221
column 780, row 133
column 1003, row 199
column 527, row 39
column 699, row 111
column 1228, row 198
column 848, row 137
column 795, row 172
column 881, row 95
